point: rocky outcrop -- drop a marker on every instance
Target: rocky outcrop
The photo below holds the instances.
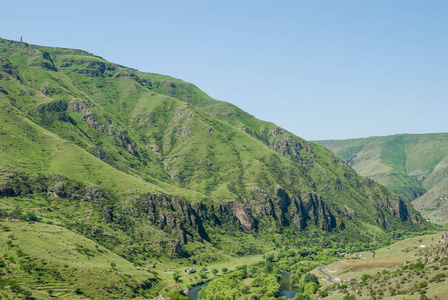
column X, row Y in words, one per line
column 54, row 110
column 93, row 68
column 80, row 106
column 312, row 208
column 6, row 67
column 442, row 246
column 398, row 208
column 244, row 216
column 43, row 60
column 121, row 137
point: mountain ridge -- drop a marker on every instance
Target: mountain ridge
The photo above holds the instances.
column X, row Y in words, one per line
column 151, row 167
column 413, row 165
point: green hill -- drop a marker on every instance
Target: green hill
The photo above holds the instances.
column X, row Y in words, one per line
column 156, row 171
column 413, row 165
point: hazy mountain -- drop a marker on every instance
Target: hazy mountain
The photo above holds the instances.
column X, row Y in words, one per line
column 413, row 165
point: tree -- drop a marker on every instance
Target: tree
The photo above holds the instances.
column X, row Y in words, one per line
column 214, row 271
column 16, row 213
column 311, row 278
column 224, row 270
column 113, row 265
column 269, row 257
column 311, row 288
column 268, row 267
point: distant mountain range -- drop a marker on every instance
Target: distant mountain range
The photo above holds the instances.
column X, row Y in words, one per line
column 415, row 166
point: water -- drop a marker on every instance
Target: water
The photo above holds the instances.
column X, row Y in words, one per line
column 193, row 293
column 286, row 290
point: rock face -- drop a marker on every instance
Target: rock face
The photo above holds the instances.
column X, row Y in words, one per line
column 54, row 110
column 195, row 167
column 442, row 246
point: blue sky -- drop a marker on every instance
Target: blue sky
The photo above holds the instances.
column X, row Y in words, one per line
column 320, row 69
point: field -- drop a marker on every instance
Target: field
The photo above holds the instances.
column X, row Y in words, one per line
column 387, row 275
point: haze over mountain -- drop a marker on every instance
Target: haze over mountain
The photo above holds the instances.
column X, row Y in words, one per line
column 150, row 167
column 413, row 165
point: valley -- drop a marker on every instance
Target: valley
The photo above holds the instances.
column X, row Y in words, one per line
column 412, row 165
column 117, row 184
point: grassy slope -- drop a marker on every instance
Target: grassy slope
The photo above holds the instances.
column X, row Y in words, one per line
column 44, row 152
column 59, row 249
column 411, row 165
column 389, row 259
column 211, row 147
column 71, row 113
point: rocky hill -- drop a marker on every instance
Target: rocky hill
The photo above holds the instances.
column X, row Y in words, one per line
column 151, row 167
column 413, row 165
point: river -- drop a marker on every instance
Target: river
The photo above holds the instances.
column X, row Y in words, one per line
column 286, row 290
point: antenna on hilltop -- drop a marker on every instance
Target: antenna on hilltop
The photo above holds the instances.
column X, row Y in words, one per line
column 20, row 38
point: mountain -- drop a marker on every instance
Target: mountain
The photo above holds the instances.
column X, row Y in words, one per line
column 413, row 165
column 150, row 167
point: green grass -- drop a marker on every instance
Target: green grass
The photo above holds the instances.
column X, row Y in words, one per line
column 413, row 165
column 65, row 251
column 385, row 265
column 141, row 162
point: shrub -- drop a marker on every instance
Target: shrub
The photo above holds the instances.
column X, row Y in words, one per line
column 437, row 278
column 364, row 277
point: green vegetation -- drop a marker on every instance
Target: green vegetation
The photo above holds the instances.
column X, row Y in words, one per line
column 401, row 270
column 139, row 176
column 45, row 260
column 413, row 165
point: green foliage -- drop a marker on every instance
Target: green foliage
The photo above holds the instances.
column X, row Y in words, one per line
column 153, row 169
column 412, row 165
column 438, row 278
column 311, row 278
column 176, row 276
column 177, row 296
column 310, row 288
column 365, row 277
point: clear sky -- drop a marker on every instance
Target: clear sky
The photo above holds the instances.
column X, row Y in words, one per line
column 320, row 69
